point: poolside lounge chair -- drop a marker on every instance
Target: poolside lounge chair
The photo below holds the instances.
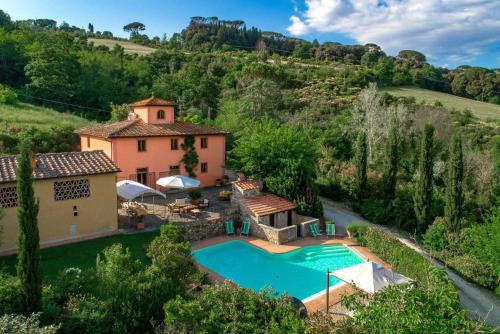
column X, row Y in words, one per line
column 314, row 230
column 330, row 229
column 229, row 227
column 245, row 228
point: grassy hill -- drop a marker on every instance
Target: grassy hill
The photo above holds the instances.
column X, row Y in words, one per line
column 23, row 115
column 482, row 110
column 128, row 46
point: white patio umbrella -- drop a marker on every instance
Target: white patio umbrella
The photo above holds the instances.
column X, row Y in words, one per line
column 128, row 190
column 178, row 182
column 370, row 276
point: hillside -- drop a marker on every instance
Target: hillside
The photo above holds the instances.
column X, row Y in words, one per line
column 482, row 110
column 24, row 115
column 129, row 47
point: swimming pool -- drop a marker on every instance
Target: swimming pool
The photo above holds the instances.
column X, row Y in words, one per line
column 301, row 272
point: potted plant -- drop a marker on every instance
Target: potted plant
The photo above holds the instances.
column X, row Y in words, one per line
column 356, row 230
column 194, row 196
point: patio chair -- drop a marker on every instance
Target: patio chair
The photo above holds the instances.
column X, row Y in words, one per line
column 245, row 228
column 229, row 227
column 204, row 203
column 330, row 229
column 314, row 230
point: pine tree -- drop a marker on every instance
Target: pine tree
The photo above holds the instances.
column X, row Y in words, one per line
column 454, row 179
column 360, row 161
column 423, row 191
column 391, row 164
column 28, row 248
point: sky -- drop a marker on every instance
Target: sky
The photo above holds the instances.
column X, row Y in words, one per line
column 448, row 32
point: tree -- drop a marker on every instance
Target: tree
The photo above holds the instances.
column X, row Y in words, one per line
column 119, row 112
column 423, row 191
column 190, row 158
column 91, row 28
column 28, row 247
column 391, row 164
column 134, row 28
column 262, row 97
column 454, row 181
column 5, row 21
column 284, row 158
column 360, row 162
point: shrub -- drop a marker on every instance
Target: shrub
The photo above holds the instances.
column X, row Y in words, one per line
column 195, row 194
column 87, row 314
column 20, row 324
column 10, row 294
column 229, row 309
column 474, row 270
column 396, row 309
column 357, row 230
column 374, row 210
column 7, row 95
column 435, row 236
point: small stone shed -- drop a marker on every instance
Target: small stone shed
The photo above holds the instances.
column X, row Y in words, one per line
column 272, row 218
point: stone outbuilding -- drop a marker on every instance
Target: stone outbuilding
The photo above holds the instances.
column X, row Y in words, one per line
column 272, row 218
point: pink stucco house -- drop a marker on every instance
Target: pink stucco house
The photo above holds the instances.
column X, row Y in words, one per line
column 147, row 145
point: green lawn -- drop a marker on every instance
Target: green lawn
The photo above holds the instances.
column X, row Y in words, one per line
column 482, row 110
column 83, row 254
column 23, row 115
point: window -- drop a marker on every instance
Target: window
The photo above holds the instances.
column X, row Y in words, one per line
column 175, row 170
column 8, row 197
column 71, row 189
column 204, row 167
column 174, row 145
column 204, row 142
column 160, row 114
column 142, row 175
column 88, row 141
column 141, row 145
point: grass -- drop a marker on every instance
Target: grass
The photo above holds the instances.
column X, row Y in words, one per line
column 23, row 115
column 128, row 47
column 83, row 254
column 482, row 110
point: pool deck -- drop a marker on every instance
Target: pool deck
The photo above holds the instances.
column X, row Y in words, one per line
column 312, row 304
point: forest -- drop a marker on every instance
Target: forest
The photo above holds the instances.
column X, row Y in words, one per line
column 306, row 118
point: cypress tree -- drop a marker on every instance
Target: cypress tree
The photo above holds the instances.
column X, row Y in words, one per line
column 423, row 191
column 455, row 176
column 28, row 247
column 360, row 161
column 391, row 164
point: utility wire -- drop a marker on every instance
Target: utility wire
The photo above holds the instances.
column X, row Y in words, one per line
column 64, row 103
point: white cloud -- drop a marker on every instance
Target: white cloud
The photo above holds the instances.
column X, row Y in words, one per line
column 444, row 30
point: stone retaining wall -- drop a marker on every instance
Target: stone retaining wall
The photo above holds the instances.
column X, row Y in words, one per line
column 277, row 236
column 305, row 230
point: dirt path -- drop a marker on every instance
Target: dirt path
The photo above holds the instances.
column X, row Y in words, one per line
column 479, row 302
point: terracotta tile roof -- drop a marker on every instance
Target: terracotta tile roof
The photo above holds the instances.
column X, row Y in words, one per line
column 53, row 165
column 267, row 204
column 247, row 184
column 152, row 101
column 138, row 128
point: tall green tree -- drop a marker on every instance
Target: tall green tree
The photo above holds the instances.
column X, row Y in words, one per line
column 360, row 162
column 28, row 246
column 423, row 191
column 454, row 184
column 391, row 164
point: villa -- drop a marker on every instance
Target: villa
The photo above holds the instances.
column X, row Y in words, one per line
column 149, row 144
column 77, row 196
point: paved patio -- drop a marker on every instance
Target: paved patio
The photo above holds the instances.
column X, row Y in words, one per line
column 312, row 305
column 157, row 213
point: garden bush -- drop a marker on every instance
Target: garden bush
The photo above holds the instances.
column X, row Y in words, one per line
column 10, row 294
column 227, row 308
column 435, row 236
column 474, row 270
column 7, row 95
column 357, row 230
column 20, row 324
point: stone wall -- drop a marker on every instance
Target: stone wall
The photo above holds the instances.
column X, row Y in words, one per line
column 207, row 228
column 277, row 236
column 304, row 222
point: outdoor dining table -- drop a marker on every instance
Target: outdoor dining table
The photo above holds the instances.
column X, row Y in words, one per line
column 188, row 208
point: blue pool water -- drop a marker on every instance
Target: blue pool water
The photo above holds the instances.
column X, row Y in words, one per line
column 301, row 272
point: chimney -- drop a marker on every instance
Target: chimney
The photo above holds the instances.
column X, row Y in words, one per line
column 33, row 161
